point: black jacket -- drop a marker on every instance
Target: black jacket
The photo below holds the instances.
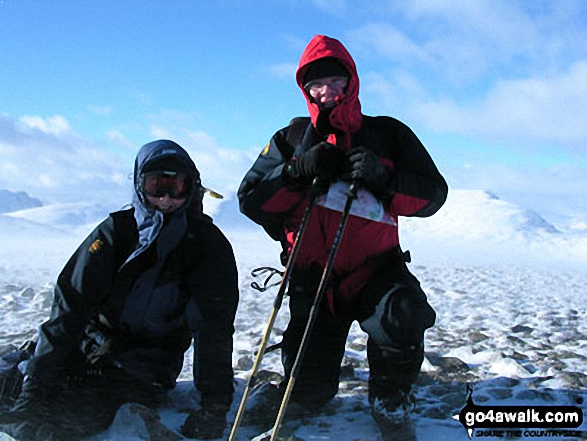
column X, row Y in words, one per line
column 418, row 189
column 153, row 343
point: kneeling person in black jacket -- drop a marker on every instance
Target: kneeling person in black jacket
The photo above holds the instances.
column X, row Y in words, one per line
column 139, row 289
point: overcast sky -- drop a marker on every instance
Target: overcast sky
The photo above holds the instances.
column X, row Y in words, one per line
column 496, row 90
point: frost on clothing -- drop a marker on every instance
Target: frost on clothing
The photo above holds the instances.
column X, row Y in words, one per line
column 159, row 280
column 418, row 189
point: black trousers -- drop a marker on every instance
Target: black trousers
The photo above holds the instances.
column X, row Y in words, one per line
column 83, row 407
column 393, row 300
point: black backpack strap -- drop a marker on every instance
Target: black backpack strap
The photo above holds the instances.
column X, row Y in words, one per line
column 295, row 131
column 125, row 231
column 287, row 145
column 124, row 237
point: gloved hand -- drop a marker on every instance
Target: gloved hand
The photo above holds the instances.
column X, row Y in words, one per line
column 206, row 423
column 364, row 166
column 324, row 160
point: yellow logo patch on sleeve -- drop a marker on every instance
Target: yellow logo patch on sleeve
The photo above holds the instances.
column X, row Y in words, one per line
column 265, row 150
column 96, row 246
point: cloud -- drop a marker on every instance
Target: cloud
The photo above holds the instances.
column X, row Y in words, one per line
column 46, row 158
column 501, row 72
column 221, row 169
column 543, row 109
column 285, row 71
column 121, row 140
column 459, row 44
column 101, row 110
column 54, row 125
column 336, row 7
column 159, row 132
column 390, row 42
column 499, row 178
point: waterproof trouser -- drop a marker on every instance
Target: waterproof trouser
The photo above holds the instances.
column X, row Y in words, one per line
column 393, row 300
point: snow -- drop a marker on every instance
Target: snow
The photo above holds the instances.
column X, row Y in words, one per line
column 508, row 288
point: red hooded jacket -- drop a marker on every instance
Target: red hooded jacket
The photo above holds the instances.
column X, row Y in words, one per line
column 268, row 198
column 346, row 116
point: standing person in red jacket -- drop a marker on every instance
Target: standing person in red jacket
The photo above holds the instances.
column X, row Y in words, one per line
column 371, row 282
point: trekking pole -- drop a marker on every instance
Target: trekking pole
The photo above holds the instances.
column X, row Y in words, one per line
column 351, row 196
column 313, row 193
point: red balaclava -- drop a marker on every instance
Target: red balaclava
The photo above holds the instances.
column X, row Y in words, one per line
column 346, row 117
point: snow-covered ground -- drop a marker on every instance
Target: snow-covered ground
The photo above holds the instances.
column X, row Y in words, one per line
column 509, row 289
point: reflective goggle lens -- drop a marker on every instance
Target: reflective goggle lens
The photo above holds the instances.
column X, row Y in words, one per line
column 337, row 83
column 158, row 184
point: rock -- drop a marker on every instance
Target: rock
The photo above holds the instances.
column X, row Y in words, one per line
column 518, row 329
column 269, row 376
column 441, row 412
column 515, row 340
column 357, row 346
column 477, row 337
column 454, row 400
column 530, row 368
column 519, row 356
column 244, row 363
column 569, row 354
column 575, row 380
column 347, row 372
column 535, row 395
column 504, row 382
column 453, row 365
column 500, row 393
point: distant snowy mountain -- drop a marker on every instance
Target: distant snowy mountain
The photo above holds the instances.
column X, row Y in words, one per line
column 474, row 214
column 67, row 215
column 473, row 227
column 226, row 213
column 476, row 227
column 14, row 201
column 33, row 251
column 45, row 237
column 21, row 229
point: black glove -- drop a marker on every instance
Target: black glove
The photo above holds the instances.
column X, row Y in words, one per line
column 364, row 166
column 324, row 160
column 206, row 423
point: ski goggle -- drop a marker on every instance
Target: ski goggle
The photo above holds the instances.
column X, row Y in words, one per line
column 316, row 87
column 160, row 183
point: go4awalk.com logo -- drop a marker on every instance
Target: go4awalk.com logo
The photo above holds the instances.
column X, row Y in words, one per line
column 518, row 421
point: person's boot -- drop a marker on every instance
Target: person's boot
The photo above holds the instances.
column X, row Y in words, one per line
column 392, row 374
column 395, row 408
column 393, row 415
